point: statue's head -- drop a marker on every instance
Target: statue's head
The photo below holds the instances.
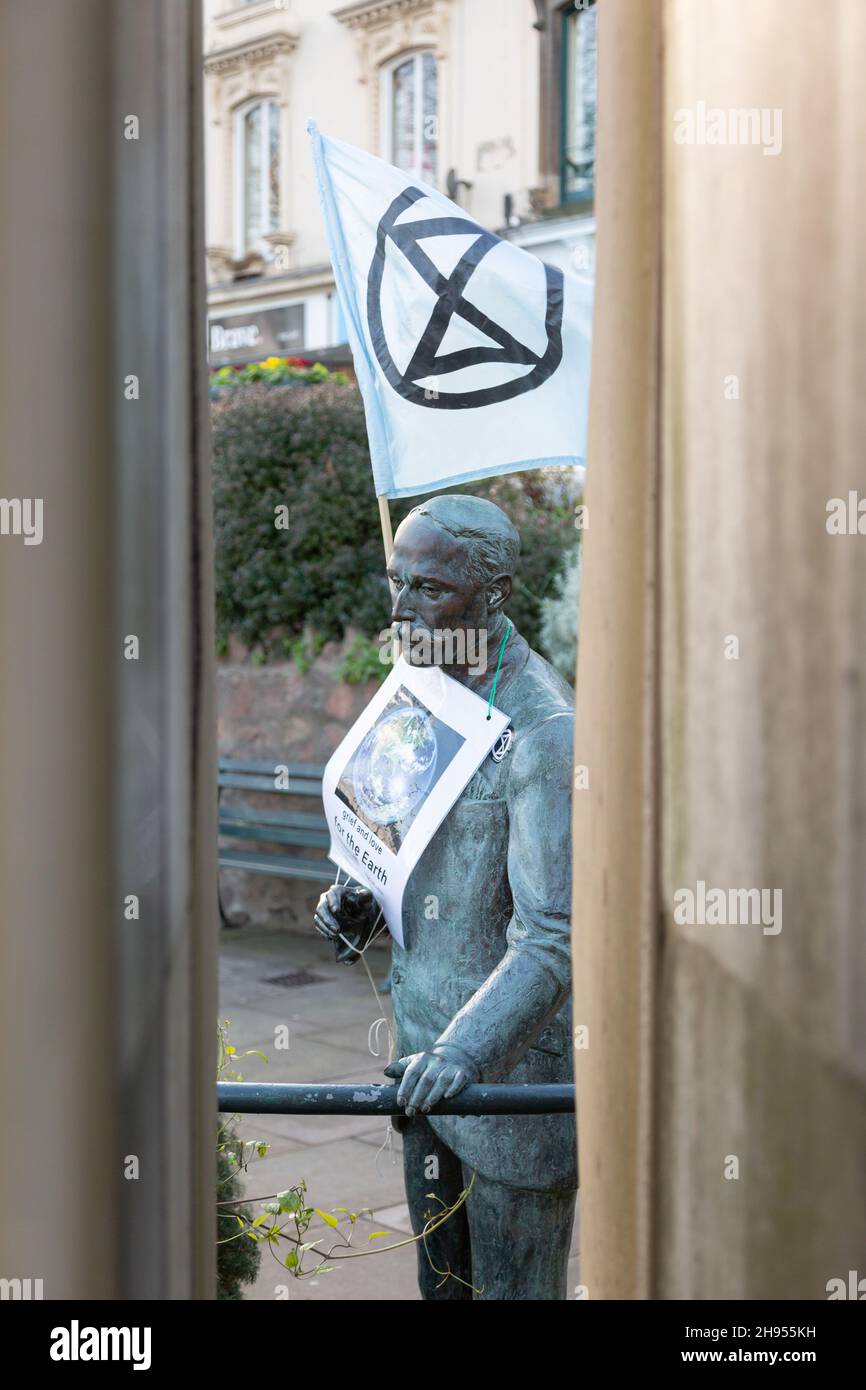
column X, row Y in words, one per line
column 451, row 567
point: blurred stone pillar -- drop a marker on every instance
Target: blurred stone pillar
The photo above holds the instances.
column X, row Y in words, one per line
column 763, row 700
column 615, row 814
column 107, row 789
column 721, row 706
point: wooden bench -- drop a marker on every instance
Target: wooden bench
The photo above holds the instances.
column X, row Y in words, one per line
column 274, row 826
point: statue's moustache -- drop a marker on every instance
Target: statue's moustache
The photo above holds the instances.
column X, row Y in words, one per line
column 404, row 627
column 415, row 641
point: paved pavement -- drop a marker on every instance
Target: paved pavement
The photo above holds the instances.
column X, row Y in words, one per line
column 343, row 1159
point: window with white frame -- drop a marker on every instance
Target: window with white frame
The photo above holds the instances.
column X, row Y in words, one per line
column 257, row 175
column 410, row 115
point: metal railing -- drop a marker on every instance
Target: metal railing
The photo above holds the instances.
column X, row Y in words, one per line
column 252, row 1098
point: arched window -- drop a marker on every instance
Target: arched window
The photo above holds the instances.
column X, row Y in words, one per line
column 410, row 115
column 257, row 175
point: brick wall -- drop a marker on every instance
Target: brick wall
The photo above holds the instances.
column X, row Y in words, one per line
column 276, row 712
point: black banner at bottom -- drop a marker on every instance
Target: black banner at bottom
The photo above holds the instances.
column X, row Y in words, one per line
column 240, row 1338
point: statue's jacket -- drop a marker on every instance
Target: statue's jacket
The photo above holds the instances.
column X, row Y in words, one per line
column 486, row 964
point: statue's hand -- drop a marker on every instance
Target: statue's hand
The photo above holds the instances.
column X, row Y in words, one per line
column 349, row 912
column 429, row 1077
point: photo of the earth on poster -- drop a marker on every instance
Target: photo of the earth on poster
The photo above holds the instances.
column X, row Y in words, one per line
column 396, row 765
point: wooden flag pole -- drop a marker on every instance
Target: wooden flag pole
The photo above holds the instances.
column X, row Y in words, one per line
column 388, row 543
column 385, row 519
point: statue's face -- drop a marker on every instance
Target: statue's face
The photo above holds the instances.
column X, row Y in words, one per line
column 431, row 590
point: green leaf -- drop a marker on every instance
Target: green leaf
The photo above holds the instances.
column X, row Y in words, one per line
column 291, row 1260
column 376, row 1234
column 326, row 1216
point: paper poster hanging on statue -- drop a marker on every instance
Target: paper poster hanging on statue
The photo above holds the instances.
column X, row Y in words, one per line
column 398, row 772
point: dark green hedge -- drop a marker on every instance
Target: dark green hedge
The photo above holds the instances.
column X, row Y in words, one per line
column 307, row 449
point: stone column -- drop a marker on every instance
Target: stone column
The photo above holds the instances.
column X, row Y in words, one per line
column 614, row 913
column 762, row 1032
column 107, row 793
column 721, row 707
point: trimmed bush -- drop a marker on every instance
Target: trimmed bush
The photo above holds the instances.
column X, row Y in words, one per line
column 306, row 450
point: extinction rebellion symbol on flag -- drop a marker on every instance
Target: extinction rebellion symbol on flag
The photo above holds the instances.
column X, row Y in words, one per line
column 493, row 344
column 504, row 349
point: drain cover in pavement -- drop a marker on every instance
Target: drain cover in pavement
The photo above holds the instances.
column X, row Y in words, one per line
column 295, row 978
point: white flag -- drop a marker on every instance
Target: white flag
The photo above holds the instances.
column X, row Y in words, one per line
column 472, row 355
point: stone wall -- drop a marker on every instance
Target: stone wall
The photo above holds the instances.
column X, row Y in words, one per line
column 277, row 712
column 721, row 707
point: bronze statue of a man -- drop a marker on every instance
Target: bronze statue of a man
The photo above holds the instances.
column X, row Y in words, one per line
column 481, row 992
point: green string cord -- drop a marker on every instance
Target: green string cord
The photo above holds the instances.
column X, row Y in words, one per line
column 498, row 664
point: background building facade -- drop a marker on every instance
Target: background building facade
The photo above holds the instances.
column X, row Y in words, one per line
column 491, row 101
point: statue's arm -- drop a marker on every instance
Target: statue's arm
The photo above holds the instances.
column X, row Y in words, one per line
column 533, row 979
